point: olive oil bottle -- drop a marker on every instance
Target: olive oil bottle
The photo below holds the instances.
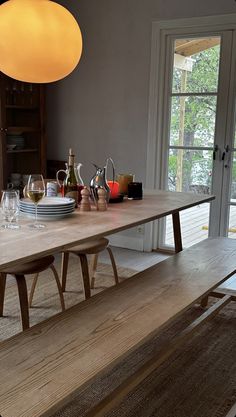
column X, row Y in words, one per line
column 70, row 184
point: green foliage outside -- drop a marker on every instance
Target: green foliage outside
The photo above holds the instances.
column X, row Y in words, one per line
column 199, row 119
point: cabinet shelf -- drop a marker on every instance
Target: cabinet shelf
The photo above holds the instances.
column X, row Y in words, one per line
column 26, row 150
column 21, row 129
column 22, row 124
column 21, row 107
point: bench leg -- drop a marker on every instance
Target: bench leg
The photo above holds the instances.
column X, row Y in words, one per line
column 204, row 301
column 2, row 291
column 23, row 297
column 85, row 274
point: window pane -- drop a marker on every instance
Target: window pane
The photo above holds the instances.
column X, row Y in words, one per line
column 193, row 121
column 196, row 65
column 190, row 171
column 233, row 178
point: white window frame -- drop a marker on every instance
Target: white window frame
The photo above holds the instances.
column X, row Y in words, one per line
column 160, row 29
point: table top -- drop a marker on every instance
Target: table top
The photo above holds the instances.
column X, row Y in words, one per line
column 25, row 244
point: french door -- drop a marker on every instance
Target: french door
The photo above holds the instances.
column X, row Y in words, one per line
column 197, row 129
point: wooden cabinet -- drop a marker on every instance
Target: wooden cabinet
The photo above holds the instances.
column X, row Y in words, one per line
column 22, row 129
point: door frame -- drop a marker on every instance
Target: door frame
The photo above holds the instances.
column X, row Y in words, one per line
column 229, row 140
column 155, row 167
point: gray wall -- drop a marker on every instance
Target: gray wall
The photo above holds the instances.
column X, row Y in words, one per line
column 101, row 109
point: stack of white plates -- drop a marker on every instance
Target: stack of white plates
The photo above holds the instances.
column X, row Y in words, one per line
column 49, row 208
column 16, row 140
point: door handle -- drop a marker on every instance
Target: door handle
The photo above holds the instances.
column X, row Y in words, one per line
column 216, row 148
column 224, row 154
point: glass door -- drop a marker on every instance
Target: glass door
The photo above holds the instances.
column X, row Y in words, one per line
column 228, row 222
column 196, row 155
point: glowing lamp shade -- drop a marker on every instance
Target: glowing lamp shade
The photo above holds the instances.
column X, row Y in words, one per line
column 40, row 41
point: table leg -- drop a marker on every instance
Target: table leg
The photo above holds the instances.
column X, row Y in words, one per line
column 177, row 232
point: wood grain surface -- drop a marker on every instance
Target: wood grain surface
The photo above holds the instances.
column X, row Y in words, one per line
column 43, row 367
column 26, row 244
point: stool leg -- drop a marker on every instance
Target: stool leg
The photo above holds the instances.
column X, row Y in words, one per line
column 52, row 267
column 64, row 267
column 204, row 301
column 22, row 291
column 113, row 265
column 2, row 291
column 32, row 289
column 85, row 274
column 94, row 268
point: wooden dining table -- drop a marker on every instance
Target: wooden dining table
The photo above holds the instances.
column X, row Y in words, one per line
column 25, row 244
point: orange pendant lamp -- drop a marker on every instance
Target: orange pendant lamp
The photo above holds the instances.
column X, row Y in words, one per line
column 40, row 40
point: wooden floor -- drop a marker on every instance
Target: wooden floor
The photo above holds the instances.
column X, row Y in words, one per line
column 132, row 259
column 194, row 225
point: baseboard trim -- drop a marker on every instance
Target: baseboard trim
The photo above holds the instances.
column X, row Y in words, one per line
column 127, row 242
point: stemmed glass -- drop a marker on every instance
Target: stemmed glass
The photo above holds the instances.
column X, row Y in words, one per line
column 10, row 209
column 36, row 191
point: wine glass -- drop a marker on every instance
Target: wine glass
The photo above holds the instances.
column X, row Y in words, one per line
column 10, row 208
column 35, row 192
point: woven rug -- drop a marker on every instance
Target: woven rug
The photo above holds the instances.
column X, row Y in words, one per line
column 199, row 380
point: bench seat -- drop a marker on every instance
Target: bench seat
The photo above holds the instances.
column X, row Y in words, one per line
column 42, row 367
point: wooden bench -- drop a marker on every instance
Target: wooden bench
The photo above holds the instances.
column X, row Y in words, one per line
column 43, row 367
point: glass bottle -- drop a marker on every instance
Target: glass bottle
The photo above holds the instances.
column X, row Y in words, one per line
column 80, row 182
column 70, row 183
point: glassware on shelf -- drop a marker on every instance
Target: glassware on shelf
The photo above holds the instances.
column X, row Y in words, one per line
column 36, row 191
column 10, row 209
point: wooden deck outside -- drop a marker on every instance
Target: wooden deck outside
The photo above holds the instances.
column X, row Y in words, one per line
column 194, row 225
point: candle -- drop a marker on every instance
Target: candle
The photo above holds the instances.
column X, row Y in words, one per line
column 135, row 191
column 114, row 189
column 124, row 180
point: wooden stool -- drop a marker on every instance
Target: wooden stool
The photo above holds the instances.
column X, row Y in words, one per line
column 92, row 247
column 19, row 272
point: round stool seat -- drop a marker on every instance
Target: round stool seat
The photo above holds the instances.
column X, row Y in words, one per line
column 32, row 267
column 90, row 247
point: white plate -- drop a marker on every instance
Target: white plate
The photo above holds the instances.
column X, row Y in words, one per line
column 55, row 217
column 50, row 208
column 46, row 209
column 47, row 212
column 50, row 201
